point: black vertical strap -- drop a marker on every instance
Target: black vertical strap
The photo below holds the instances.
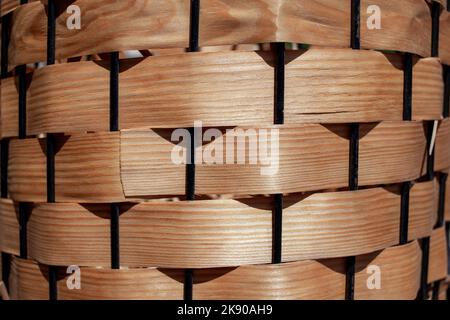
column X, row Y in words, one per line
column 52, row 282
column 435, row 13
column 188, row 284
column 4, row 167
column 446, row 110
column 23, row 221
column 441, row 205
column 430, row 156
column 436, row 289
column 50, row 141
column 194, row 27
column 22, row 74
column 279, row 51
column 6, row 21
column 50, row 148
column 355, row 24
column 114, row 126
column 404, row 212
column 115, row 244
column 423, row 293
column 114, row 92
column 353, row 148
column 407, row 86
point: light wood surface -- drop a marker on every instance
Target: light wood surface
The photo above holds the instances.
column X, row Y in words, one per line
column 220, row 233
column 224, row 89
column 437, row 265
column 444, row 35
column 161, row 24
column 442, row 152
column 322, row 279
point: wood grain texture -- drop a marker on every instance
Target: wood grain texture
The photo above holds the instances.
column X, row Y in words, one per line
column 107, row 25
column 400, row 273
column 9, row 227
column 28, row 280
column 221, row 233
column 223, row 89
column 442, row 152
column 81, row 174
column 444, row 37
column 298, row 280
column 437, row 265
column 111, row 26
column 401, row 30
column 311, row 157
column 318, row 22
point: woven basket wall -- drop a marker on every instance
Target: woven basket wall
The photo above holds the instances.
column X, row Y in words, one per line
column 87, row 178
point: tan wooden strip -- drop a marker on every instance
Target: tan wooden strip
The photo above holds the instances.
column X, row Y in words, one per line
column 422, row 209
column 223, row 89
column 297, row 280
column 444, row 37
column 391, row 152
column 318, row 22
column 442, row 151
column 133, row 284
column 107, row 25
column 401, row 30
column 110, row 26
column 223, row 233
column 9, row 5
column 399, row 269
column 437, row 265
column 87, row 169
column 427, row 90
column 9, row 227
column 447, row 201
column 28, row 280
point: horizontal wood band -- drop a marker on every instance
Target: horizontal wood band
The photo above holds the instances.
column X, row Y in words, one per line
column 322, row 279
column 220, row 233
column 112, row 167
column 437, row 266
column 224, row 89
column 110, row 26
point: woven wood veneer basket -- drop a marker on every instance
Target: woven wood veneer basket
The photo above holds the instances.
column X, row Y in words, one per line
column 364, row 149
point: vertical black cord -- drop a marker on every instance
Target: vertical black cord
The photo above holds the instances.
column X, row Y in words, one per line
column 190, row 165
column 423, row 293
column 404, row 212
column 436, row 289
column 23, row 221
column 114, row 126
column 355, row 43
column 407, row 86
column 435, row 13
column 6, row 21
column 4, row 168
column 279, row 51
column 50, row 141
column 355, row 24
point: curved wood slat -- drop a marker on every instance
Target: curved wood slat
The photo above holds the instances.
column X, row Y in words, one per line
column 442, row 151
column 400, row 273
column 311, row 157
column 177, row 90
column 9, row 227
column 444, row 37
column 316, row 226
column 318, row 22
column 437, row 265
column 107, row 25
column 401, row 30
column 323, row 279
column 94, row 176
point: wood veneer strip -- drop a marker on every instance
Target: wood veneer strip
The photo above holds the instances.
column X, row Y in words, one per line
column 444, row 37
column 437, row 266
column 110, row 26
column 109, row 167
column 223, row 233
column 399, row 269
column 442, row 151
column 9, row 227
column 176, row 90
column 401, row 30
